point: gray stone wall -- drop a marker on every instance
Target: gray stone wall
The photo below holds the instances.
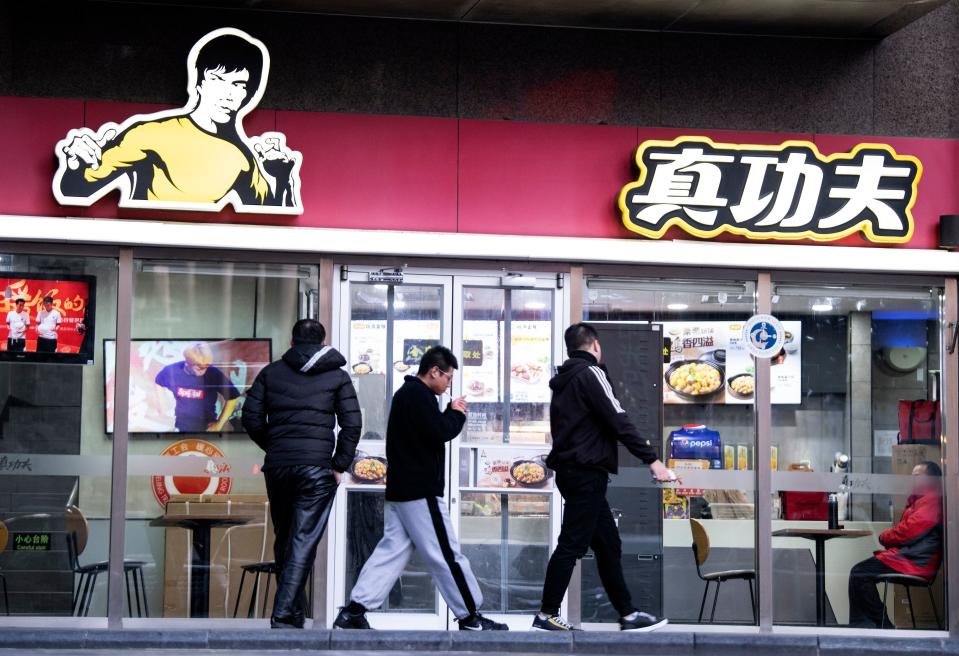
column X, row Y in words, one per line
column 904, row 85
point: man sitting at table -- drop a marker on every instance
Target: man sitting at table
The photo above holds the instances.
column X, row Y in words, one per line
column 913, row 546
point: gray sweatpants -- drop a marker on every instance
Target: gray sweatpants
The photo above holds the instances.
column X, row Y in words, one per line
column 423, row 525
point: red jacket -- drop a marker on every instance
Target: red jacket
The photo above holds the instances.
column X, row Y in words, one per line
column 914, row 545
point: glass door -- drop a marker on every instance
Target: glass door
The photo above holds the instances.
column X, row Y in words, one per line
column 383, row 330
column 503, row 499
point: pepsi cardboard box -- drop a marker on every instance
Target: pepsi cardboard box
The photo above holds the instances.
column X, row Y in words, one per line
column 697, row 442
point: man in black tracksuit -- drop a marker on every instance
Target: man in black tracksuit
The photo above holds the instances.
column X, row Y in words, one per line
column 291, row 412
column 586, row 423
column 416, row 517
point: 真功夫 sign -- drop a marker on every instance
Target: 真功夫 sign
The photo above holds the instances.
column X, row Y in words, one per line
column 790, row 191
column 196, row 157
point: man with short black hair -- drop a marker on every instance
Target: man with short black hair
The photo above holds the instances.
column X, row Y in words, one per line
column 18, row 320
column 586, row 422
column 48, row 323
column 416, row 514
column 291, row 412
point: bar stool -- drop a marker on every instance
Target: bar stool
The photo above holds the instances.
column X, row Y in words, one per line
column 78, row 530
column 267, row 568
column 4, row 537
column 908, row 582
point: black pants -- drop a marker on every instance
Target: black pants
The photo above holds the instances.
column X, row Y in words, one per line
column 45, row 345
column 587, row 523
column 301, row 498
column 865, row 605
column 16, row 345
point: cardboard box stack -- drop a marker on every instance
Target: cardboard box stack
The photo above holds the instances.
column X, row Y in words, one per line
column 230, row 549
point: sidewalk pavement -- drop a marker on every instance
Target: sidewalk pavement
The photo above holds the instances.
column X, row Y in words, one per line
column 459, row 643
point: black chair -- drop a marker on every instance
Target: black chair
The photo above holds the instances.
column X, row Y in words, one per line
column 700, row 555
column 267, row 568
column 77, row 532
column 908, row 582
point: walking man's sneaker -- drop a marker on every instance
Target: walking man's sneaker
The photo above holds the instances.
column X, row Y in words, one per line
column 348, row 620
column 477, row 622
column 639, row 622
column 550, row 623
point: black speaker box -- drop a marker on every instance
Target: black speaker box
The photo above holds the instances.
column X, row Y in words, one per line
column 949, row 231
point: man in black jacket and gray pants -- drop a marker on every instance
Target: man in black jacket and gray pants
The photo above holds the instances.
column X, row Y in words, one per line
column 587, row 421
column 416, row 515
column 291, row 412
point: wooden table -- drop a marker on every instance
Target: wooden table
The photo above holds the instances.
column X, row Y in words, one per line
column 819, row 536
column 200, row 526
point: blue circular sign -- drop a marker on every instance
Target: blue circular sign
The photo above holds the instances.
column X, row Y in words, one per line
column 764, row 335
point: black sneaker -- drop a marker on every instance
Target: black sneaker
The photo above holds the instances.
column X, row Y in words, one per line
column 477, row 622
column 551, row 623
column 641, row 622
column 347, row 620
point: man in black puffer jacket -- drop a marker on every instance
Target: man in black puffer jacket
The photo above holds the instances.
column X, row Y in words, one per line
column 291, row 412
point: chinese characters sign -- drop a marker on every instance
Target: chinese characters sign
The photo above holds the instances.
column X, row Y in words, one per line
column 789, row 191
column 31, row 541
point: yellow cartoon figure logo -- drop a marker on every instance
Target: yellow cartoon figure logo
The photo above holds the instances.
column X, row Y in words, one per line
column 195, row 157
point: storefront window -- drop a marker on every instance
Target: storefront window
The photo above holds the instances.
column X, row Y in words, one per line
column 677, row 360
column 55, row 456
column 198, row 522
column 856, row 446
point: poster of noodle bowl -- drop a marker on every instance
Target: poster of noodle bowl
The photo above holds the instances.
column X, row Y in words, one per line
column 709, row 363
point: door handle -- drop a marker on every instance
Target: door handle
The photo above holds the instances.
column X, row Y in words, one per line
column 955, row 337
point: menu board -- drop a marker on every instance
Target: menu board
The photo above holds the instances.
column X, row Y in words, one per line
column 368, row 347
column 709, row 363
column 506, row 468
column 530, row 354
column 411, row 339
column 482, row 361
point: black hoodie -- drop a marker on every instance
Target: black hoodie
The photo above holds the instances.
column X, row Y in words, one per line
column 586, row 419
column 416, row 438
column 294, row 405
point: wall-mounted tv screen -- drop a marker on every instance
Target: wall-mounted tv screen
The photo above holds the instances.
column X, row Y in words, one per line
column 47, row 317
column 186, row 385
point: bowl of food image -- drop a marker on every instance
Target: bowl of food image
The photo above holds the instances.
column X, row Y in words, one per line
column 530, row 472
column 368, row 469
column 362, row 368
column 475, row 388
column 401, row 366
column 741, row 386
column 694, row 380
column 530, row 372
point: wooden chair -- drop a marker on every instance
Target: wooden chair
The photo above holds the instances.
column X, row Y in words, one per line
column 701, row 555
column 78, row 530
column 4, row 538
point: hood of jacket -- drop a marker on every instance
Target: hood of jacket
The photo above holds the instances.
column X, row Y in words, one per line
column 578, row 360
column 312, row 359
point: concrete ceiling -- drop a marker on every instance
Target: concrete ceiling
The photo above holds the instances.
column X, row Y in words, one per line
column 836, row 18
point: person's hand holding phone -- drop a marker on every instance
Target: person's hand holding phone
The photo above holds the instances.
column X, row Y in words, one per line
column 459, row 404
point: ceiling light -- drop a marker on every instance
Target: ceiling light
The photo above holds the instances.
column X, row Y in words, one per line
column 535, row 305
column 677, row 306
column 399, row 305
column 821, row 307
